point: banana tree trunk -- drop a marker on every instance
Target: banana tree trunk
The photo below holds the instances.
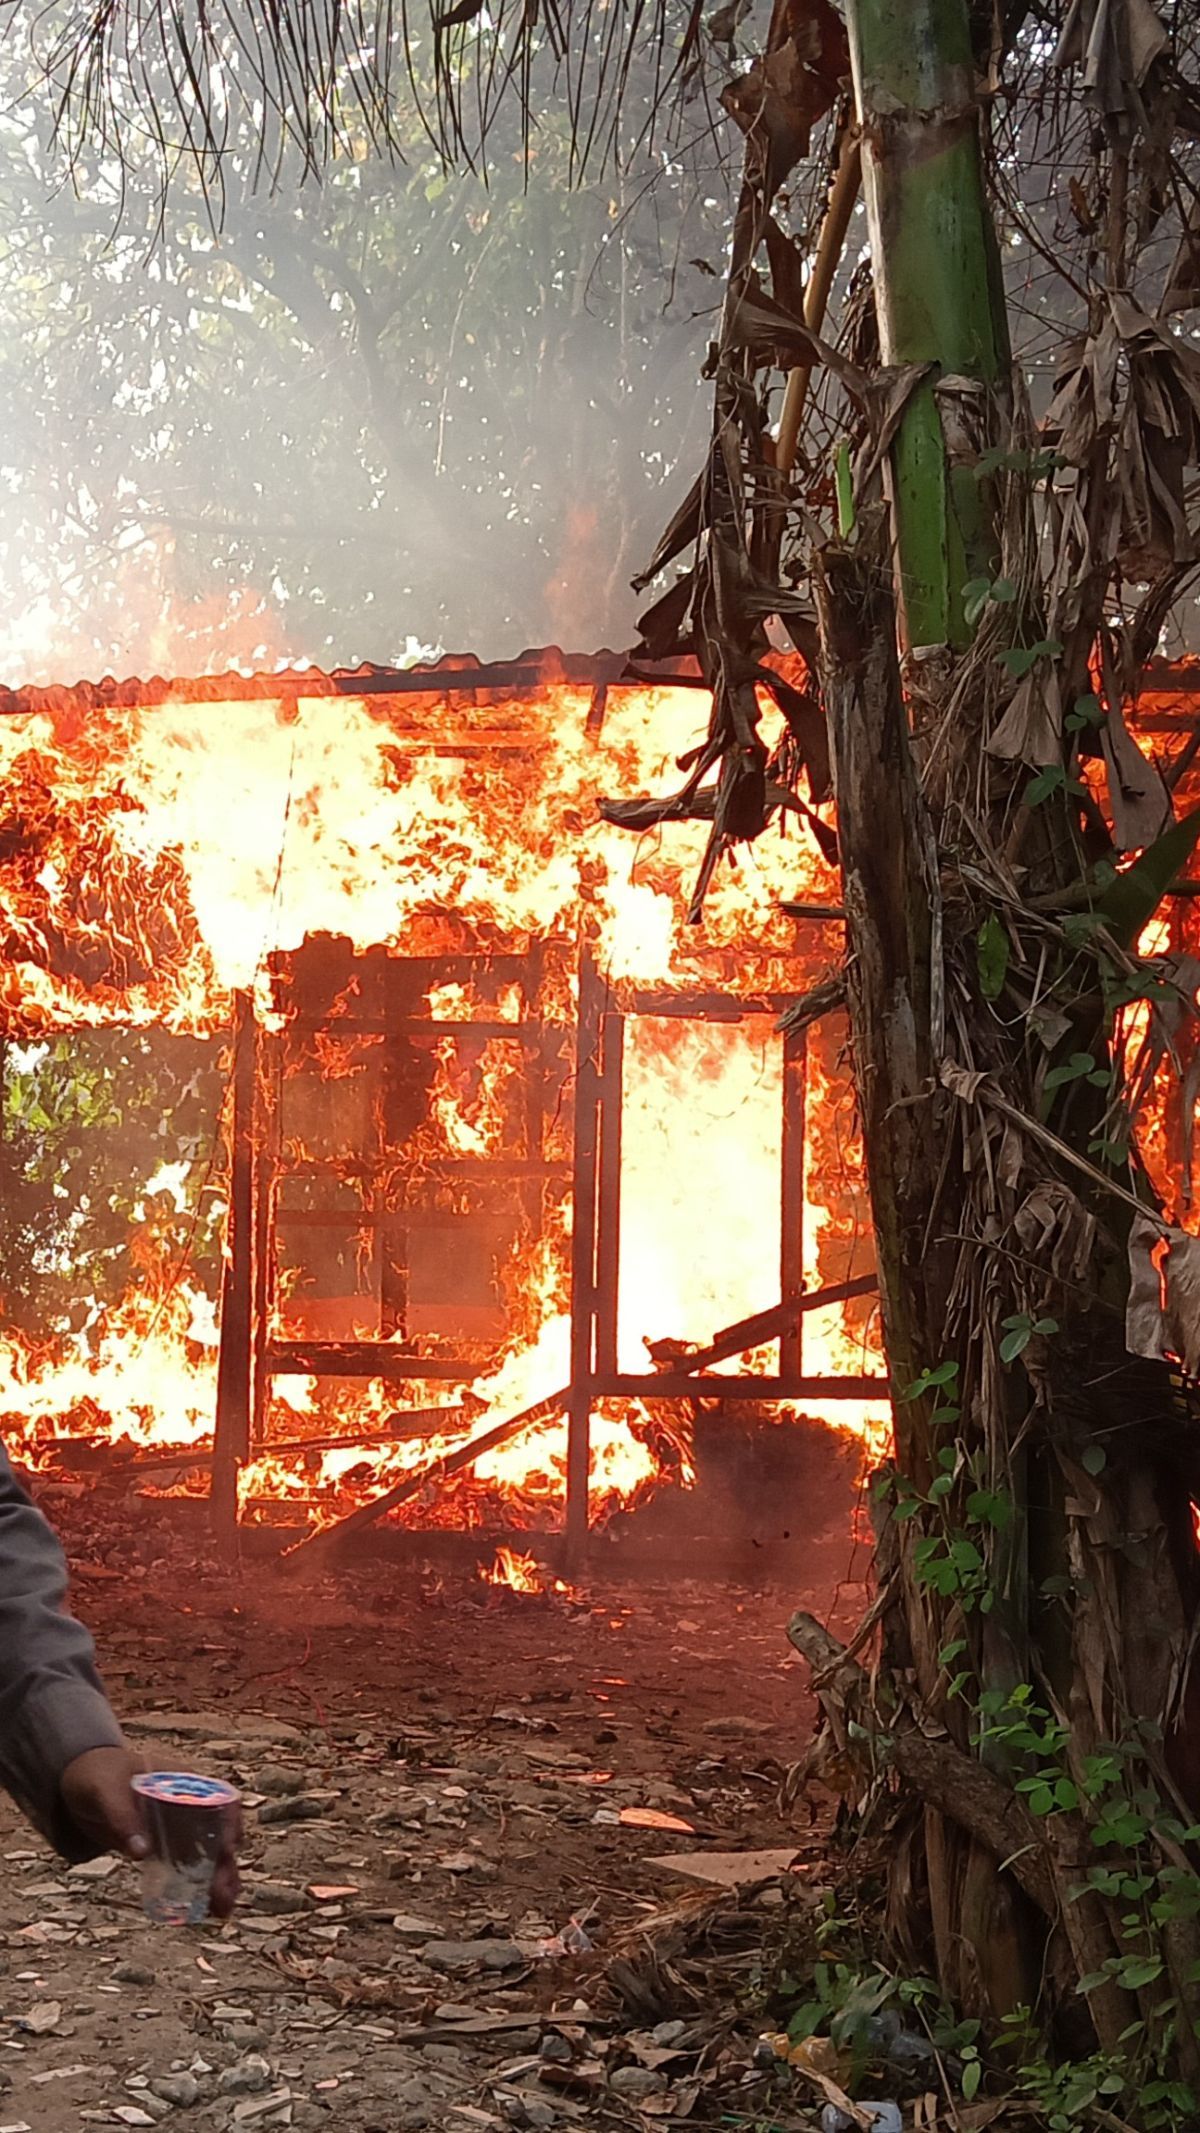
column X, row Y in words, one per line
column 1046, row 1599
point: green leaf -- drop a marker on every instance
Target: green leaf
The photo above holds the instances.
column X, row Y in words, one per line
column 990, row 1508
column 1015, row 1342
column 1052, row 779
column 845, row 490
column 975, row 598
column 1130, row 902
column 1085, row 711
column 941, row 1374
column 972, row 2075
column 1021, row 659
column 1080, row 927
column 1110, row 1150
column 1003, row 591
column 1093, row 1458
column 806, row 2021
column 1038, row 1796
column 1079, row 1065
column 1138, row 1970
column 993, row 953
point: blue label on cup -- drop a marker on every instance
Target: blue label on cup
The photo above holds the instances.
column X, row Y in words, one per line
column 179, row 1788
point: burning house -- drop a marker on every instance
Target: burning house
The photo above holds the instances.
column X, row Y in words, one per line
column 525, row 1195
column 532, row 1208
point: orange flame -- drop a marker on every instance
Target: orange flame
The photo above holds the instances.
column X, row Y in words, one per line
column 154, row 858
column 518, row 1573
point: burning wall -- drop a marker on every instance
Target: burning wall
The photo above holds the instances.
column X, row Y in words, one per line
column 398, row 875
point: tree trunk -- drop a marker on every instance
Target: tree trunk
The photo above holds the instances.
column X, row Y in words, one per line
column 1036, row 1560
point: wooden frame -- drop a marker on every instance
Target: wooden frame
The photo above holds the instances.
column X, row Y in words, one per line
column 251, row 1358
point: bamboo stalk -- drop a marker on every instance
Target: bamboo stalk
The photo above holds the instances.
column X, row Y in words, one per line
column 830, row 246
column 938, row 299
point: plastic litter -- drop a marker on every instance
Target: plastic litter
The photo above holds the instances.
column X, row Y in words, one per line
column 884, row 2117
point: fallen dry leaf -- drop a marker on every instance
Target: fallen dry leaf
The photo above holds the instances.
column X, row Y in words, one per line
column 725, row 1870
column 42, row 2017
column 655, row 1818
column 819, row 2055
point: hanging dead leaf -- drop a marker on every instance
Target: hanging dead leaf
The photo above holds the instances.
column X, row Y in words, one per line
column 1116, row 42
column 782, row 96
column 1056, row 1229
column 1030, row 730
column 1141, row 805
column 1085, row 398
column 1162, row 1315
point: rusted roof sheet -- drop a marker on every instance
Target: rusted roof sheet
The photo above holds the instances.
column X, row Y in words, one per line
column 456, row 671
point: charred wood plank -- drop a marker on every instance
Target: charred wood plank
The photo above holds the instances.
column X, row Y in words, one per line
column 677, row 1384
column 453, row 1462
column 370, row 1359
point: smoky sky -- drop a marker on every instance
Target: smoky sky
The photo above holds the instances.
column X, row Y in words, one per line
column 400, row 406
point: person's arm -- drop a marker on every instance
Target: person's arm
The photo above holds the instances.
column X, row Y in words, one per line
column 62, row 1754
column 53, row 1709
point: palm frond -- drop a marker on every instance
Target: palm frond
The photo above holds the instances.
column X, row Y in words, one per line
column 180, row 81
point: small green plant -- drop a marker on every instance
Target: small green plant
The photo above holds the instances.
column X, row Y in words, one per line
column 1021, row 659
column 1051, row 780
column 993, row 949
column 978, row 593
column 1087, row 712
column 1019, row 1329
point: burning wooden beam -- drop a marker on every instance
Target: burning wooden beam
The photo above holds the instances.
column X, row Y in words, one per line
column 452, row 1462
column 231, row 1437
column 761, row 1326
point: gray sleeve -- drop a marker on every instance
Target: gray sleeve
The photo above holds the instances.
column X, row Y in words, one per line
column 52, row 1704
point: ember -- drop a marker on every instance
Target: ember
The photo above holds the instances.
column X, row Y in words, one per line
column 520, row 1573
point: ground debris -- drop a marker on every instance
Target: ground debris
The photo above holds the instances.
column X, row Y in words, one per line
column 727, row 1870
column 446, row 1939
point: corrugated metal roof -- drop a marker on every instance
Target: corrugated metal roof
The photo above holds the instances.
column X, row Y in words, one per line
column 533, row 669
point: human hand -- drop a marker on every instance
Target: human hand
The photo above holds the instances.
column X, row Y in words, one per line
column 97, row 1793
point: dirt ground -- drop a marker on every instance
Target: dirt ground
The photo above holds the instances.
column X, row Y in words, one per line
column 440, row 1778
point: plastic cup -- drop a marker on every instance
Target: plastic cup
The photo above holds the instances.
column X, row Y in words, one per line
column 185, row 1821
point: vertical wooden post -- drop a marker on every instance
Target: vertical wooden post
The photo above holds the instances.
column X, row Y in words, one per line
column 583, row 1254
column 608, row 1192
column 231, row 1438
column 791, row 1205
column 264, row 1121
